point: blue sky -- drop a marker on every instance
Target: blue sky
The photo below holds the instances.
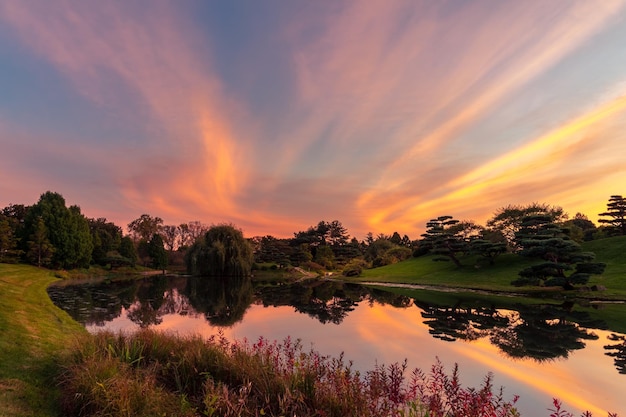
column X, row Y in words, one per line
column 276, row 115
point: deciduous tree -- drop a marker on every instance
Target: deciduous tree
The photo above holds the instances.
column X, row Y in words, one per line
column 67, row 229
column 144, row 227
column 508, row 219
column 40, row 250
column 223, row 251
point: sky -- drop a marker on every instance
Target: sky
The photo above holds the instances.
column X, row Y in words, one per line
column 275, row 115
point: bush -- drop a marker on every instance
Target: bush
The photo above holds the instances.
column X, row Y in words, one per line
column 354, row 268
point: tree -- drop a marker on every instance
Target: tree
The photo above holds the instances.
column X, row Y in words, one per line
column 144, row 227
column 580, row 228
column 128, row 250
column 508, row 219
column 67, row 230
column 223, row 251
column 40, row 249
column 489, row 245
column 171, row 236
column 106, row 238
column 157, row 252
column 190, row 232
column 8, row 241
column 324, row 256
column 615, row 214
column 271, row 249
column 540, row 238
column 445, row 239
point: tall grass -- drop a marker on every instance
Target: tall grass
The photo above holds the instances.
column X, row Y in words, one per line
column 156, row 374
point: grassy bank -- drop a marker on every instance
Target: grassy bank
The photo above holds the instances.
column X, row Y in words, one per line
column 33, row 333
column 498, row 277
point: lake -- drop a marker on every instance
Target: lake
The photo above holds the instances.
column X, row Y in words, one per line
column 537, row 350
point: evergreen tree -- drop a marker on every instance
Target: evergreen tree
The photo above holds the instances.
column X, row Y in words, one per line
column 540, row 238
column 444, row 239
column 616, row 216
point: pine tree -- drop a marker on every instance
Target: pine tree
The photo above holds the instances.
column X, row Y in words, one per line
column 616, row 213
column 540, row 238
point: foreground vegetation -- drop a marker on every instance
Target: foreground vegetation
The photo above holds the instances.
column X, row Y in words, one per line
column 151, row 373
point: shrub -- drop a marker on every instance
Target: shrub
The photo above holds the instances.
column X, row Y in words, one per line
column 354, row 268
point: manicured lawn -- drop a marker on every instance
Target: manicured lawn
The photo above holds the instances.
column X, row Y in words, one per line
column 498, row 277
column 33, row 332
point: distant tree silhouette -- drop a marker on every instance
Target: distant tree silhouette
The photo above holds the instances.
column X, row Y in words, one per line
column 615, row 214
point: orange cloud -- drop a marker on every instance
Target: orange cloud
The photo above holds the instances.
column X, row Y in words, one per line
column 575, row 159
column 114, row 58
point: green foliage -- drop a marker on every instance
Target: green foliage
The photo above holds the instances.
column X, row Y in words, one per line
column 324, row 256
column 40, row 250
column 8, row 241
column 222, row 252
column 157, row 252
column 106, row 238
column 354, row 268
column 128, row 250
column 614, row 218
column 540, row 238
column 487, row 249
column 508, row 219
column 144, row 227
column 67, row 231
column 445, row 239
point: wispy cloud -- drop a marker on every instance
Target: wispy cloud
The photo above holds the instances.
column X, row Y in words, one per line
column 380, row 121
column 142, row 60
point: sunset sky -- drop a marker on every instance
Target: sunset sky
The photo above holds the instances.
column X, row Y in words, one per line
column 274, row 115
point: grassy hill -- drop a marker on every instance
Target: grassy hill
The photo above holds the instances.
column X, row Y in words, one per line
column 33, row 331
column 498, row 277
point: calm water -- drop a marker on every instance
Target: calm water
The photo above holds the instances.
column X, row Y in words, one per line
column 536, row 351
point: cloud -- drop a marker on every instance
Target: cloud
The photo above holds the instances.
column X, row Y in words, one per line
column 557, row 165
column 142, row 60
column 384, row 119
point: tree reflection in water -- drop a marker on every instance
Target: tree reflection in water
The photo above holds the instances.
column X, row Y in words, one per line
column 618, row 352
column 540, row 332
column 326, row 301
column 222, row 300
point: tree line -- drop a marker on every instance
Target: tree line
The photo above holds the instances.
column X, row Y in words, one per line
column 53, row 235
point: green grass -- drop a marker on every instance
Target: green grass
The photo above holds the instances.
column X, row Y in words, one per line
column 33, row 332
column 611, row 251
column 498, row 277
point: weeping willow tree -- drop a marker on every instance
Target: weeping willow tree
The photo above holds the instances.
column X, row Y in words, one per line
column 222, row 251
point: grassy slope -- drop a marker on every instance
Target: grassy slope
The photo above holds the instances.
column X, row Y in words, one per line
column 498, row 277
column 33, row 331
